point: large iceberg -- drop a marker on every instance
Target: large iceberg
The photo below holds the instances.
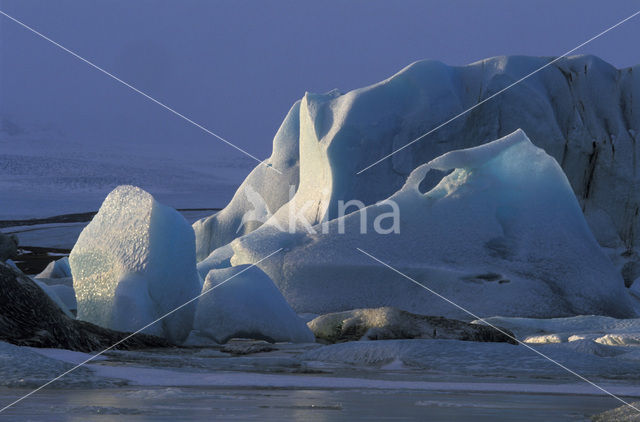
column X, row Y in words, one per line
column 579, row 110
column 135, row 262
column 502, row 234
column 246, row 304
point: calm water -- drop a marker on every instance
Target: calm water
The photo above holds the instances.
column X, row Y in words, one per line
column 195, row 404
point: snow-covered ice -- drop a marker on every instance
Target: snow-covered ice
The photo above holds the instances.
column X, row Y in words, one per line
column 594, row 328
column 133, row 263
column 25, row 367
column 246, row 305
column 453, row 357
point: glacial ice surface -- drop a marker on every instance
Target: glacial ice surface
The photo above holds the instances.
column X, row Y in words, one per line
column 246, row 305
column 133, row 263
column 501, row 234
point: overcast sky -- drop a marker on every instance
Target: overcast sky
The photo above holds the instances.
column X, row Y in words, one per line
column 237, row 66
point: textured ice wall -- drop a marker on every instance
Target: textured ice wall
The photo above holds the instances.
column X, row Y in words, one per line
column 502, row 234
column 134, row 262
column 247, row 305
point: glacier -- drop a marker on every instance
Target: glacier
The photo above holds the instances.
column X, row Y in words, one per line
column 501, row 234
column 579, row 110
column 135, row 262
column 242, row 302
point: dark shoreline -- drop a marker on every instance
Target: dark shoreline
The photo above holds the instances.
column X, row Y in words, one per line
column 33, row 259
column 82, row 217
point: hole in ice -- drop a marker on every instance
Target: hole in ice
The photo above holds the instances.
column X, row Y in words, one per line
column 432, row 178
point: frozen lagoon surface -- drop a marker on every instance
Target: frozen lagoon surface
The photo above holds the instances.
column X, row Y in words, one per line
column 406, row 379
column 195, row 404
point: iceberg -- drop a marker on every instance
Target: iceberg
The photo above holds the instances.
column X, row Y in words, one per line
column 579, row 110
column 501, row 234
column 246, row 304
column 135, row 262
column 56, row 269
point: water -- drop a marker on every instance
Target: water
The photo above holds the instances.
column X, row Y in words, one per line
column 192, row 384
column 194, row 404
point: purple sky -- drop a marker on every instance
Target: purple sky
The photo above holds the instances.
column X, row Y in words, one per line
column 237, row 66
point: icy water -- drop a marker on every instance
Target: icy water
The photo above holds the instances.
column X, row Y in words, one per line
column 209, row 384
column 196, row 404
